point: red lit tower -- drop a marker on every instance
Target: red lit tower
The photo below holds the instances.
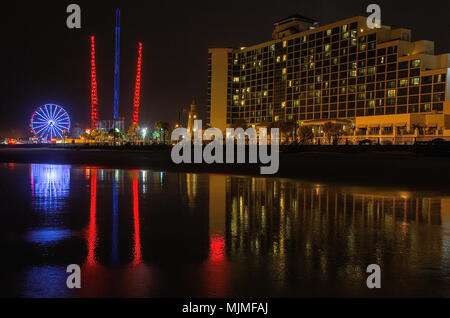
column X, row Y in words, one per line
column 94, row 100
column 137, row 88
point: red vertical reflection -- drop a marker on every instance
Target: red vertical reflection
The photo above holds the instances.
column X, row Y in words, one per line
column 216, row 268
column 137, row 235
column 92, row 229
column 217, row 249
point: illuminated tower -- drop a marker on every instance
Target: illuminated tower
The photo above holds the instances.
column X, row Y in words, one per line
column 137, row 88
column 117, row 67
column 192, row 117
column 94, row 100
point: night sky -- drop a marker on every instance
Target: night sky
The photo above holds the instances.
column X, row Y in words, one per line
column 45, row 62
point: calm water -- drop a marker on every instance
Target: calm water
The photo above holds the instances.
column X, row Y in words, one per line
column 142, row 233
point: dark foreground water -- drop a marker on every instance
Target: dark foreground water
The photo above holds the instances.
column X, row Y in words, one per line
column 141, row 233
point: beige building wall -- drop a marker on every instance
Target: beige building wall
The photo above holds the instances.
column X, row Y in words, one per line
column 219, row 85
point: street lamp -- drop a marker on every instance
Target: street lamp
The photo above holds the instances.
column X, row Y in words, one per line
column 144, row 133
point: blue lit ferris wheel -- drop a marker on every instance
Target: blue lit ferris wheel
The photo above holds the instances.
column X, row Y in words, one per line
column 50, row 121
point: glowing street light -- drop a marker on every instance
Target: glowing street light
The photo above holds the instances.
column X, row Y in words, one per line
column 144, row 132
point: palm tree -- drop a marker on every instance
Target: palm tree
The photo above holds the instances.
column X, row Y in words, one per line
column 239, row 123
column 162, row 127
column 306, row 134
column 132, row 132
column 332, row 131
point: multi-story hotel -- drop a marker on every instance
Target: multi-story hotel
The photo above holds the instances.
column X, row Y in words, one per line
column 377, row 82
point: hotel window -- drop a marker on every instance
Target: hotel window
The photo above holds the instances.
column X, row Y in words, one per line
column 284, row 43
column 403, row 82
column 415, row 63
column 278, row 59
column 283, row 104
column 353, row 73
column 425, row 107
column 391, row 92
column 328, row 32
column 236, row 79
column 438, row 97
column 415, row 81
column 439, row 78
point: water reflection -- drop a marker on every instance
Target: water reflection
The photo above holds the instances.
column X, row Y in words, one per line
column 146, row 233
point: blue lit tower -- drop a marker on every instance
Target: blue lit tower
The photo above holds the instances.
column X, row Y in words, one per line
column 117, row 67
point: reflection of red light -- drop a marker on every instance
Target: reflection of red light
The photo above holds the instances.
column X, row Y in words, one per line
column 92, row 230
column 11, row 165
column 137, row 239
column 217, row 249
column 216, row 268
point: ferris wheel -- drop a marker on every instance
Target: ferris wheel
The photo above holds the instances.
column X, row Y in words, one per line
column 49, row 121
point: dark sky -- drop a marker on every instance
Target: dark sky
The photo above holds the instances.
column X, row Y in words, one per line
column 44, row 62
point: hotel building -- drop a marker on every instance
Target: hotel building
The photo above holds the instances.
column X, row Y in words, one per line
column 376, row 82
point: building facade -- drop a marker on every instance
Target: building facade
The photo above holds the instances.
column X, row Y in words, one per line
column 375, row 81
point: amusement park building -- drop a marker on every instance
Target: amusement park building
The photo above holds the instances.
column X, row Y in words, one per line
column 376, row 81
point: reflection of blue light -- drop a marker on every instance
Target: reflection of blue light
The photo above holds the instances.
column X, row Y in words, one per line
column 49, row 185
column 115, row 230
column 47, row 235
column 45, row 281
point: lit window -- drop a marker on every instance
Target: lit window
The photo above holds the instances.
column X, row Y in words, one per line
column 415, row 63
column 283, row 104
column 236, row 79
column 415, row 81
column 403, row 82
column 391, row 92
column 438, row 78
column 284, row 43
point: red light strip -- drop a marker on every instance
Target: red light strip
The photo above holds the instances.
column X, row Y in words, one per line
column 94, row 101
column 137, row 88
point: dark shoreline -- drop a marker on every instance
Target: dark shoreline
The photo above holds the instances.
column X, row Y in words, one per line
column 397, row 167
